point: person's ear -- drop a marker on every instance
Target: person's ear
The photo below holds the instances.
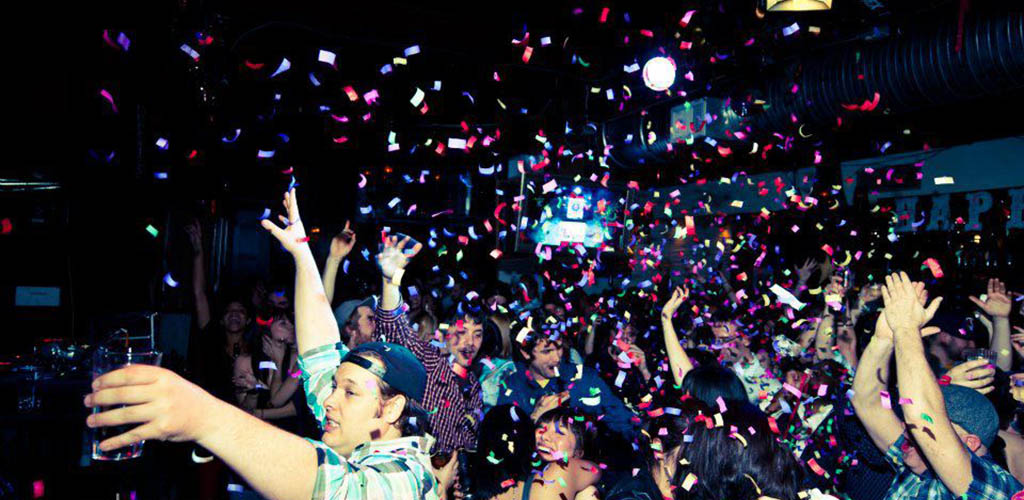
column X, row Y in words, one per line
column 973, row 442
column 393, row 409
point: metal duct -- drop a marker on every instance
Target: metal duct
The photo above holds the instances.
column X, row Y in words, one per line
column 919, row 71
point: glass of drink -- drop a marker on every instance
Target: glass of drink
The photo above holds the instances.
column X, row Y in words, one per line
column 107, row 359
column 973, row 354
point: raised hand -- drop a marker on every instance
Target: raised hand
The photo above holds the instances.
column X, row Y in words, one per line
column 976, row 374
column 1017, row 341
column 293, row 235
column 342, row 243
column 195, row 236
column 904, row 307
column 804, row 272
column 679, row 295
column 997, row 303
column 1017, row 390
column 882, row 329
column 394, row 257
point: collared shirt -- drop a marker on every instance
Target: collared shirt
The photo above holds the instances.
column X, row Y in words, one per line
column 455, row 406
column 385, row 470
column 989, row 481
column 586, row 391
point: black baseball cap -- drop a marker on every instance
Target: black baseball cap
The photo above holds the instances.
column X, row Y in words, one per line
column 955, row 324
column 401, row 370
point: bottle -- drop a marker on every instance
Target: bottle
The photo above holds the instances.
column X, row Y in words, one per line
column 465, row 478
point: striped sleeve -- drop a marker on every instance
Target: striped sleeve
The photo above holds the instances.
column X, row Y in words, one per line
column 318, row 366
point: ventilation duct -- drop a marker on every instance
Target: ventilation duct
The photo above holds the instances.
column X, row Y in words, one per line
column 919, row 71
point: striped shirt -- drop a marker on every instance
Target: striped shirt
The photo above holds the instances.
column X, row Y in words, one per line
column 455, row 406
column 384, row 470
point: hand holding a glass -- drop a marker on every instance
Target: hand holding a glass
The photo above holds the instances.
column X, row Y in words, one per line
column 164, row 405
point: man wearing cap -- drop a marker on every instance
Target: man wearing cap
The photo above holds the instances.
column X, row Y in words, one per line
column 939, row 450
column 363, row 398
column 355, row 317
column 357, row 321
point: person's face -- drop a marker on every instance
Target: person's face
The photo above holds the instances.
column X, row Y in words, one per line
column 282, row 331
column 497, row 300
column 764, row 358
column 954, row 345
column 794, row 377
column 235, row 318
column 353, row 412
column 724, row 330
column 279, row 300
column 555, row 310
column 912, row 456
column 545, row 358
column 362, row 329
column 465, row 342
column 555, row 441
column 627, row 335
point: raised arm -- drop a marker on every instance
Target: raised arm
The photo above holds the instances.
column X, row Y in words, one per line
column 678, row 361
column 341, row 246
column 392, row 261
column 195, row 236
column 997, row 305
column 315, row 325
column 392, row 322
column 925, row 413
column 870, row 386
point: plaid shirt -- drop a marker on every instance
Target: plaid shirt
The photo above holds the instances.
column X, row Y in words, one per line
column 455, row 412
column 990, row 482
column 385, row 470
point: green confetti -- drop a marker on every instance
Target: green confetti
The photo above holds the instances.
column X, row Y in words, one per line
column 152, row 230
column 927, row 418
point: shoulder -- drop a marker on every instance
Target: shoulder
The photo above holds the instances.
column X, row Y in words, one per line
column 989, row 477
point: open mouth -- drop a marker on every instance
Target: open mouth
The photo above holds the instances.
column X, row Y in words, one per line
column 468, row 353
column 331, row 425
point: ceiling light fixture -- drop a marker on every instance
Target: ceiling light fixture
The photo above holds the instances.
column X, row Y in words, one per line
column 797, row 5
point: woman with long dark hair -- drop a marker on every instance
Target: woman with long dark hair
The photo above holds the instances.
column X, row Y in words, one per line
column 738, row 458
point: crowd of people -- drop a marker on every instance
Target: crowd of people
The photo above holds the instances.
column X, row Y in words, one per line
column 859, row 387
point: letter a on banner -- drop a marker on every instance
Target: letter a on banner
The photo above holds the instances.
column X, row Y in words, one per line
column 979, row 203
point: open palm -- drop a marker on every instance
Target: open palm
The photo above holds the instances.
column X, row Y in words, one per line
column 997, row 303
column 292, row 236
column 393, row 257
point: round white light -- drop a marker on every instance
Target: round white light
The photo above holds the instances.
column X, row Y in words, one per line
column 659, row 73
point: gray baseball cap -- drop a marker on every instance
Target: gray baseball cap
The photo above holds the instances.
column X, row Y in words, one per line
column 343, row 313
column 971, row 410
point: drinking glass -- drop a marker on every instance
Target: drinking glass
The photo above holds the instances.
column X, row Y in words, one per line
column 107, row 359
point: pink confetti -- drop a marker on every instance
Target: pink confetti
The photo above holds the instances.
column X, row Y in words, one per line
column 686, row 18
column 106, row 95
